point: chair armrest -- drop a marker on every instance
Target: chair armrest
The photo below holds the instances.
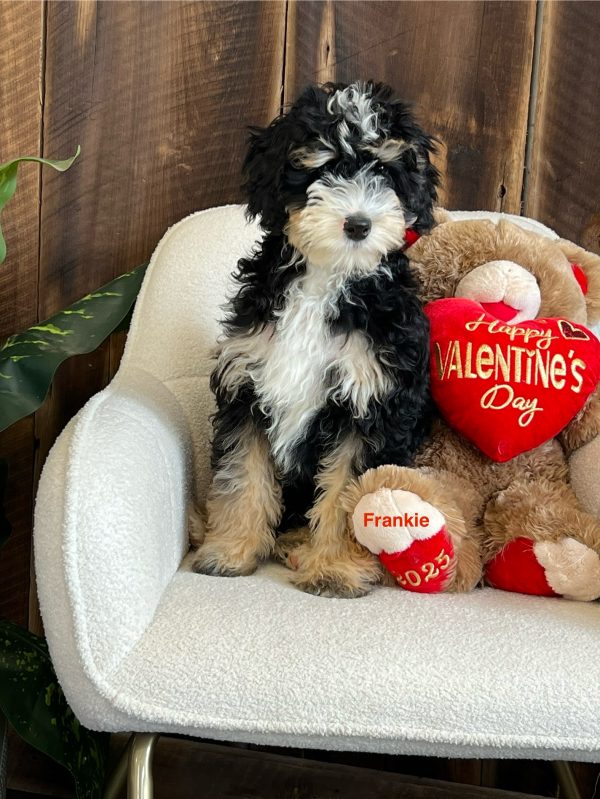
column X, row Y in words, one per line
column 110, row 525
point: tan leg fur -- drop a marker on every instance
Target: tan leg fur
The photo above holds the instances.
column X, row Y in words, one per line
column 332, row 563
column 243, row 510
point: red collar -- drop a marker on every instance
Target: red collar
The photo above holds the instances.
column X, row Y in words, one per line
column 410, row 236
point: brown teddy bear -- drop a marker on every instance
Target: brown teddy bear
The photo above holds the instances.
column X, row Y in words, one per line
column 460, row 516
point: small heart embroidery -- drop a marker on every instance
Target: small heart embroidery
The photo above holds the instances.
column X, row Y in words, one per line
column 508, row 388
column 569, row 330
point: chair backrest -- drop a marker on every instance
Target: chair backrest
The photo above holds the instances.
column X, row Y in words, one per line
column 177, row 316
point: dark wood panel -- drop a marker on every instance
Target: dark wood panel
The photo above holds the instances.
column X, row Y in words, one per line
column 32, row 774
column 230, row 771
column 194, row 768
column 587, row 776
column 16, row 446
column 159, row 96
column 565, row 166
column 154, row 96
column 20, row 100
column 466, row 66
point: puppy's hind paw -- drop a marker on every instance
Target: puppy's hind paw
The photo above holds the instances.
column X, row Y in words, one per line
column 196, row 526
column 288, row 545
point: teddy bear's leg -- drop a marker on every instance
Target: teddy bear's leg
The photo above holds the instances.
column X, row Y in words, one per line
column 421, row 523
column 539, row 541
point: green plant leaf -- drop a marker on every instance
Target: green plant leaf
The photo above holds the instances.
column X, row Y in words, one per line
column 29, row 360
column 8, row 182
column 33, row 702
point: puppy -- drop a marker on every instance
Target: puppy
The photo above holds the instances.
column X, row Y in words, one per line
column 323, row 370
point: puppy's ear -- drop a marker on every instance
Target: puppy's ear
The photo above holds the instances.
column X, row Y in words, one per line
column 417, row 177
column 264, row 170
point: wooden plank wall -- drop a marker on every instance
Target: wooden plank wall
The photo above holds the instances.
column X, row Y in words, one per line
column 21, row 28
column 152, row 93
column 564, row 178
column 465, row 65
column 159, row 95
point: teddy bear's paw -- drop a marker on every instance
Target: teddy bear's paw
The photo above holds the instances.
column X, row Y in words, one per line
column 410, row 537
column 516, row 568
column 572, row 569
column 546, row 568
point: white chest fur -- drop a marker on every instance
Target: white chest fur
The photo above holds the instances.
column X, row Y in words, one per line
column 296, row 363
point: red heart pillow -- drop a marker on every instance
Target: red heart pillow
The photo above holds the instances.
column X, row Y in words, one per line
column 508, row 388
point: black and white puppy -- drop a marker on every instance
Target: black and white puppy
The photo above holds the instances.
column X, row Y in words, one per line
column 323, row 371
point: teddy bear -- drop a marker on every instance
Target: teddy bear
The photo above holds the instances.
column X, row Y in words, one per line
column 479, row 504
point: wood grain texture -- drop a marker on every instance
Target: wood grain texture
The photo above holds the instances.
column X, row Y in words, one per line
column 230, row 772
column 565, row 166
column 20, row 101
column 16, row 446
column 21, row 25
column 240, row 772
column 465, row 65
column 155, row 100
column 159, row 96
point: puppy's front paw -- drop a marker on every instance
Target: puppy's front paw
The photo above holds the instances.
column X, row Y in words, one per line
column 215, row 558
column 330, row 584
column 349, row 576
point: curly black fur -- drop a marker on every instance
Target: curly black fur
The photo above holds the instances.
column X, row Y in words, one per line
column 383, row 304
column 273, row 183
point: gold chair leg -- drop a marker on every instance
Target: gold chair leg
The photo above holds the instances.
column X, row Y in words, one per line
column 566, row 779
column 139, row 781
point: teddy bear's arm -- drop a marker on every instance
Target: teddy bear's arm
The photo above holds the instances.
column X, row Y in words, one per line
column 584, row 427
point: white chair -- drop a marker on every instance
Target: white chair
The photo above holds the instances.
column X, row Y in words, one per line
column 142, row 644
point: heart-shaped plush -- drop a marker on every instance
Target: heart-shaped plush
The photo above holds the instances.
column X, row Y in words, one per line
column 508, row 388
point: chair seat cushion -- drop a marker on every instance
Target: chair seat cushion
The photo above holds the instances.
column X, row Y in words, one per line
column 253, row 659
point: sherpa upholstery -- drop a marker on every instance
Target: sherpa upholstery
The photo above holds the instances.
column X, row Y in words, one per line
column 141, row 643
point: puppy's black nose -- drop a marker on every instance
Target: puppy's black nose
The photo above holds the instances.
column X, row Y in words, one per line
column 357, row 227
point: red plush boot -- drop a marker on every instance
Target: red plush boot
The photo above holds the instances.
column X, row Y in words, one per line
column 564, row 568
column 409, row 536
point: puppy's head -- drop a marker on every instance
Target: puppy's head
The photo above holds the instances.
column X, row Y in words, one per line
column 342, row 174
